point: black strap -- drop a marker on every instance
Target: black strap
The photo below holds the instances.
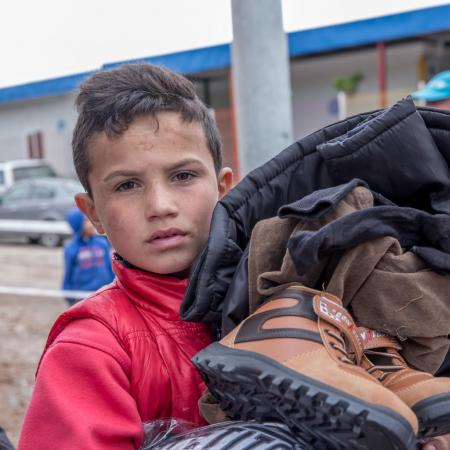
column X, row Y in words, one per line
column 252, row 329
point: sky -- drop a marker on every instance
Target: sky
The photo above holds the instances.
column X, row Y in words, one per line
column 42, row 39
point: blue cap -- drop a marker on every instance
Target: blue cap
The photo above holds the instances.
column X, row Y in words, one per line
column 438, row 88
column 76, row 219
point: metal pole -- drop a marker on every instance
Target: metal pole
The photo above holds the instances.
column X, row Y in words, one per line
column 382, row 82
column 236, row 162
column 260, row 67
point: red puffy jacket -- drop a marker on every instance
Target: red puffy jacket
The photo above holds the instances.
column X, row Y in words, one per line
column 113, row 361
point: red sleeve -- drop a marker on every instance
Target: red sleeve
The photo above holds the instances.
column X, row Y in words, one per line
column 82, row 398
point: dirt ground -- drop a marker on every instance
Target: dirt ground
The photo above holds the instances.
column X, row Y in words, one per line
column 24, row 324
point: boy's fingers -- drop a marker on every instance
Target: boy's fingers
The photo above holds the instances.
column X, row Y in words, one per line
column 438, row 443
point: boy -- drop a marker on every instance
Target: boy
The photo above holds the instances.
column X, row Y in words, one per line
column 87, row 260
column 148, row 153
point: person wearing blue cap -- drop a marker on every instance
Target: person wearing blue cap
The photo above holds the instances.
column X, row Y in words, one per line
column 87, row 257
column 436, row 92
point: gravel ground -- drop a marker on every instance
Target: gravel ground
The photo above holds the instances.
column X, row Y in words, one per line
column 24, row 324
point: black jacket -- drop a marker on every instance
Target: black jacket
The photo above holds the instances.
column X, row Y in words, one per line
column 401, row 152
column 5, row 443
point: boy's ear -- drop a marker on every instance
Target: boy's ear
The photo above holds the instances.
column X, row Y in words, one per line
column 224, row 181
column 86, row 205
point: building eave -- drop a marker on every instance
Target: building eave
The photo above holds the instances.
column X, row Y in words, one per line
column 331, row 38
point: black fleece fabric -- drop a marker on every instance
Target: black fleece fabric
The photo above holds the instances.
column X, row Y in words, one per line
column 403, row 153
column 426, row 235
column 315, row 205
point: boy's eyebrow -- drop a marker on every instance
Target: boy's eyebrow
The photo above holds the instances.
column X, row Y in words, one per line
column 185, row 162
column 134, row 173
column 121, row 173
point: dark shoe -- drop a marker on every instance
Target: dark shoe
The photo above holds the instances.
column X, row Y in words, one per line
column 426, row 395
column 296, row 360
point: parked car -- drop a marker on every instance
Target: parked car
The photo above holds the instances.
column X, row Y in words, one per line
column 38, row 199
column 21, row 169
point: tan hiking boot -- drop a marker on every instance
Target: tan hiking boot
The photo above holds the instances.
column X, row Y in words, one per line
column 426, row 395
column 296, row 360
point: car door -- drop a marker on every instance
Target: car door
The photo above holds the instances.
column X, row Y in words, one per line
column 16, row 202
column 44, row 199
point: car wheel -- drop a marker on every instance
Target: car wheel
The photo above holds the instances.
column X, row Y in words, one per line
column 50, row 240
column 33, row 240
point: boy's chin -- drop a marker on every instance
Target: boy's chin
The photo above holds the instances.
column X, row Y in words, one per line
column 170, row 267
column 162, row 271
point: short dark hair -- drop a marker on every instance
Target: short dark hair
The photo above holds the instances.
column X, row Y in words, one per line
column 109, row 101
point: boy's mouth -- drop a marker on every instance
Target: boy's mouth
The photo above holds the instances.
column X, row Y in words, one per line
column 166, row 238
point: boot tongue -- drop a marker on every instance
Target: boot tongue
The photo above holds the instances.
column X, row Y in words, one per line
column 335, row 314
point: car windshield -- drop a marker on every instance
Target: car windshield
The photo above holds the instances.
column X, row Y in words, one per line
column 21, row 173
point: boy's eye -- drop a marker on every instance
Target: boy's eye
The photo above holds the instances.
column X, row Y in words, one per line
column 184, row 176
column 126, row 186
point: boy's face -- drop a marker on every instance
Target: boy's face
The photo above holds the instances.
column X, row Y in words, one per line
column 153, row 192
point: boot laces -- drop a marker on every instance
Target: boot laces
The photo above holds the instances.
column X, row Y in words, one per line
column 386, row 370
column 340, row 347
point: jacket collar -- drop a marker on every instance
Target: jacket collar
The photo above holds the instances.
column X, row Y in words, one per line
column 160, row 294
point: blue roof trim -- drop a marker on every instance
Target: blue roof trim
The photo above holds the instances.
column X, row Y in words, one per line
column 369, row 31
column 317, row 40
column 190, row 61
column 43, row 88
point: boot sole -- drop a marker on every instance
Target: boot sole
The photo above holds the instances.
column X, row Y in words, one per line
column 434, row 415
column 252, row 386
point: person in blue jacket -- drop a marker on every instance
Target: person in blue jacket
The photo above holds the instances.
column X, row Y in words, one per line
column 87, row 257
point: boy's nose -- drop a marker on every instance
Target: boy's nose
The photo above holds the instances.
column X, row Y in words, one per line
column 160, row 202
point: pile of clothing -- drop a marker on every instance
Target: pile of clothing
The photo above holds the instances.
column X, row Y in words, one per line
column 326, row 274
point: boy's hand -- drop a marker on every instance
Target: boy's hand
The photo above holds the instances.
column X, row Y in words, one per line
column 437, row 443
